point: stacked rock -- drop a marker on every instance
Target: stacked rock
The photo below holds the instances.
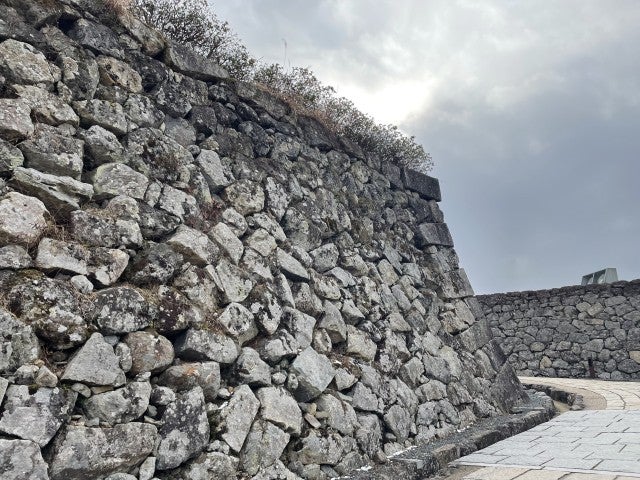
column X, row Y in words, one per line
column 580, row 331
column 196, row 282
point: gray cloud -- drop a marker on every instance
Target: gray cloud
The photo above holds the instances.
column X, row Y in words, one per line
column 530, row 109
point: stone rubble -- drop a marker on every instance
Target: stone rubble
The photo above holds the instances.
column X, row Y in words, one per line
column 197, row 282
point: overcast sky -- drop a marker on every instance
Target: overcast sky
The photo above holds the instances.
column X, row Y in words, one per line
column 530, row 109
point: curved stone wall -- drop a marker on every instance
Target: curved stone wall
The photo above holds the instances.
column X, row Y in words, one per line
column 196, row 282
column 570, row 332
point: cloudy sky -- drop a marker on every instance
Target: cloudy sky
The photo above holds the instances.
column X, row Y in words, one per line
column 530, row 109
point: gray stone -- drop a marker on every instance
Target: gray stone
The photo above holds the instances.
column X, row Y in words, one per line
column 81, row 284
column 251, row 370
column 187, row 376
column 123, row 405
column 206, row 345
column 299, row 325
column 157, row 264
column 238, row 322
column 123, row 352
column 177, row 202
column 163, row 158
column 102, row 229
column 52, row 308
column 262, row 242
column 364, row 399
column 114, row 72
column 344, row 379
column 353, row 315
column 227, row 241
column 266, row 308
column 46, row 107
column 209, row 466
column 150, row 39
column 142, row 112
column 434, row 234
column 326, row 287
column 339, row 415
column 245, row 196
column 237, row 416
column 15, row 119
column 61, row 195
column 387, row 272
column 333, row 323
column 120, row 310
column 81, row 452
column 106, row 265
column 102, row 145
column 325, row 257
column 369, row 434
column 280, row 408
column 162, row 396
column 180, row 130
column 235, row 220
column 217, row 176
column 10, row 157
column 194, row 245
column 22, row 460
column 199, row 287
column 26, row 375
column 58, row 255
column 147, row 469
column 398, row 421
column 428, row 187
column 108, row 115
column 23, row 64
column 411, row 372
column 95, row 364
column 50, row 151
column 279, row 346
column 120, row 476
column 149, row 352
column 314, row 373
column 112, row 179
column 96, row 37
column 317, row 449
column 264, row 446
column 185, row 60
column 235, row 286
column 46, row 378
column 184, row 432
column 35, row 417
column 22, row 219
column 262, row 220
column 360, row 345
column 291, row 267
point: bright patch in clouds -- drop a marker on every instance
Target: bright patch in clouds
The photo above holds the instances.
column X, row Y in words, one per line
column 392, row 103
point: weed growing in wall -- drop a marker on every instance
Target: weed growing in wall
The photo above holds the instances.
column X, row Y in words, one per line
column 193, row 23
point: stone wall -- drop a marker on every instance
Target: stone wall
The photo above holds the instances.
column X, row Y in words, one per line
column 196, row 282
column 571, row 331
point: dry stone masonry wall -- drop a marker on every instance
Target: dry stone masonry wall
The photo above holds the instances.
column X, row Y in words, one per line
column 571, row 331
column 197, row 283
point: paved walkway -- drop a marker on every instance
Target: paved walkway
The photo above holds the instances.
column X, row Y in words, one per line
column 577, row 445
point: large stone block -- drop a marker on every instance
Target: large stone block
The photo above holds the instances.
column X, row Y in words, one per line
column 81, row 453
column 22, row 219
column 428, row 187
column 434, row 234
column 185, row 60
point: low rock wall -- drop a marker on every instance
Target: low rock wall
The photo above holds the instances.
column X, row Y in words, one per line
column 570, row 332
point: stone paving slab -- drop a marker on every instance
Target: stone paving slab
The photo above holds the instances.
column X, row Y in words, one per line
column 577, row 445
column 595, row 442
